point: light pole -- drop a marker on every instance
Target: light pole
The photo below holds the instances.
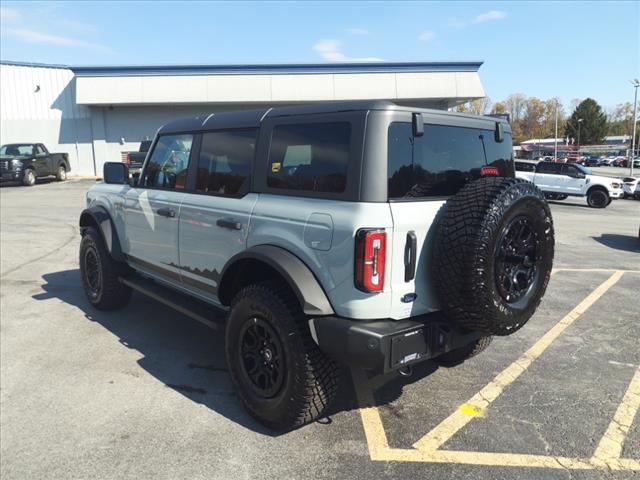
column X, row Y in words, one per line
column 579, row 125
column 555, row 138
column 635, row 84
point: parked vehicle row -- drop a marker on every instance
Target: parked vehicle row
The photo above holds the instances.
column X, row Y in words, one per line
column 26, row 162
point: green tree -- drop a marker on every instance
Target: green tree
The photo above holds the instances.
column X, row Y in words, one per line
column 589, row 118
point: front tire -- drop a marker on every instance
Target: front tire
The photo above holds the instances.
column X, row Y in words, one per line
column 101, row 274
column 598, row 198
column 280, row 374
column 29, row 178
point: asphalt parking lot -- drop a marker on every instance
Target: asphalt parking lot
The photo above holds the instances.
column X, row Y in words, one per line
column 144, row 393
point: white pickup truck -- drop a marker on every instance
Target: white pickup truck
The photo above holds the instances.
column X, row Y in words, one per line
column 560, row 180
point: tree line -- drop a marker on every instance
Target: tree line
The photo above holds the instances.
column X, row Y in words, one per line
column 532, row 117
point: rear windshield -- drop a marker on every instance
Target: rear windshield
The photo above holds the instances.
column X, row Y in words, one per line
column 443, row 160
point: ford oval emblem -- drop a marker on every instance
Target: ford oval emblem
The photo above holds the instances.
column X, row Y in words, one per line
column 409, row 297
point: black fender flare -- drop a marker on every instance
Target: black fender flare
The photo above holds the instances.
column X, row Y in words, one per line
column 298, row 276
column 99, row 216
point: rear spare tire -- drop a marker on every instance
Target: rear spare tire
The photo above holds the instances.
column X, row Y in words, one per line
column 493, row 254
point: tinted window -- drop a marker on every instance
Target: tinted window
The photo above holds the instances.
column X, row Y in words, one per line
column 224, row 166
column 548, row 167
column 39, row 150
column 167, row 167
column 525, row 167
column 570, row 170
column 443, row 160
column 312, row 157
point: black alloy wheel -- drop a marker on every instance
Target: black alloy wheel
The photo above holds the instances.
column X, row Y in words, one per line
column 92, row 272
column 263, row 361
column 516, row 259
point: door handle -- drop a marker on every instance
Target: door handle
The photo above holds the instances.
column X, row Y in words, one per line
column 410, row 254
column 167, row 212
column 229, row 223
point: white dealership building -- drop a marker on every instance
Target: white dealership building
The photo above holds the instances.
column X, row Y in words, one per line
column 97, row 113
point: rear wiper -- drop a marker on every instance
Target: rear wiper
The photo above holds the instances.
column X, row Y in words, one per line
column 484, row 149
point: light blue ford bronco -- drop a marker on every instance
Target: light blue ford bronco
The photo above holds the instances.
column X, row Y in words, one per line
column 360, row 234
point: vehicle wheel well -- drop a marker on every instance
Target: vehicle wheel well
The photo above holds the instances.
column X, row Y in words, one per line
column 87, row 220
column 246, row 272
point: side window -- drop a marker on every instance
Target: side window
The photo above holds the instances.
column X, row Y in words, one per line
column 225, row 162
column 548, row 167
column 569, row 170
column 39, row 149
column 167, row 167
column 311, row 157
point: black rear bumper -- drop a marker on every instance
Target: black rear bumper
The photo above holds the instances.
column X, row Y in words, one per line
column 381, row 346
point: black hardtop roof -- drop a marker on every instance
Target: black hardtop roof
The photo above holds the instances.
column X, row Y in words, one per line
column 253, row 118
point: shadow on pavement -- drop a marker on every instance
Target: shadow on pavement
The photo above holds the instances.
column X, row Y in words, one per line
column 189, row 357
column 625, row 243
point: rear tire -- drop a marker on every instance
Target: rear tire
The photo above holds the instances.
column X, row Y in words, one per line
column 597, row 198
column 101, row 274
column 459, row 355
column 61, row 173
column 493, row 254
column 29, row 177
column 280, row 374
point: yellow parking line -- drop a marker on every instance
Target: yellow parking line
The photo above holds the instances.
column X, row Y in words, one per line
column 448, row 427
column 562, row 269
column 610, row 447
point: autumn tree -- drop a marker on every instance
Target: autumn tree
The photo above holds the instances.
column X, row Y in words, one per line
column 592, row 120
column 479, row 106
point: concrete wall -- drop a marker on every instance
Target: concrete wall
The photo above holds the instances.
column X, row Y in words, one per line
column 38, row 105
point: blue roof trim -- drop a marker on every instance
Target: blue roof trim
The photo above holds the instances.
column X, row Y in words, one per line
column 275, row 69
column 32, row 64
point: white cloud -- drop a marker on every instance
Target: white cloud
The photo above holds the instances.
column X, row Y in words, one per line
column 489, row 16
column 330, row 49
column 8, row 13
column 33, row 36
column 426, row 36
column 358, row 31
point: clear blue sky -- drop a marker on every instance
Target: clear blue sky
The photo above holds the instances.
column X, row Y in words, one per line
column 544, row 49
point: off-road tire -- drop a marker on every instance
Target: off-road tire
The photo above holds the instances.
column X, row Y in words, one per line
column 598, row 198
column 309, row 378
column 61, row 173
column 469, row 250
column 459, row 355
column 110, row 293
column 29, row 177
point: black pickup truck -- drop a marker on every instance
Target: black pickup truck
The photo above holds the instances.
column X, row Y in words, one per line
column 136, row 159
column 26, row 162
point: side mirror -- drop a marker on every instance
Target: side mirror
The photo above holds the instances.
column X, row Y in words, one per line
column 135, row 178
column 418, row 125
column 499, row 132
column 115, row 173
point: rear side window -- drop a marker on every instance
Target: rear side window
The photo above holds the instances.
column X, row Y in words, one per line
column 525, row 167
column 443, row 160
column 226, row 158
column 167, row 167
column 310, row 157
column 548, row 167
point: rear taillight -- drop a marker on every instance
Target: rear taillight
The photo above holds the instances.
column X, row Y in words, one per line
column 489, row 172
column 371, row 248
